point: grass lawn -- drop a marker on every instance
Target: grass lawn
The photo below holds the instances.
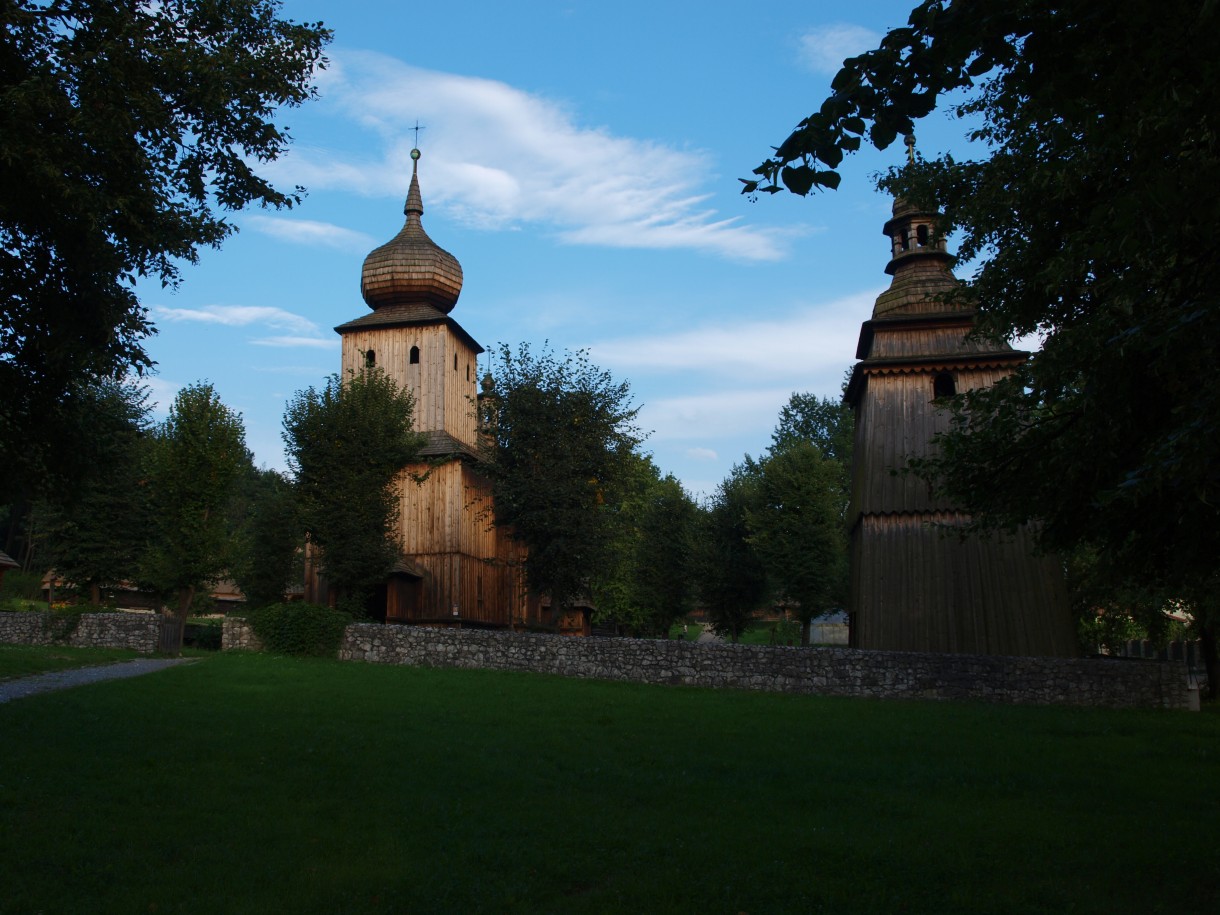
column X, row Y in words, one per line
column 251, row 783
column 27, row 660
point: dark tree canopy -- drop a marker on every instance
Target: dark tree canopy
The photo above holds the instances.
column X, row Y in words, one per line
column 94, row 532
column 560, row 445
column 733, row 583
column 648, row 578
column 347, row 444
column 1092, row 213
column 797, row 528
column 197, row 457
column 126, row 129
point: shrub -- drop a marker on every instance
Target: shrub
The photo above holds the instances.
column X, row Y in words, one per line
column 299, row 628
column 21, row 585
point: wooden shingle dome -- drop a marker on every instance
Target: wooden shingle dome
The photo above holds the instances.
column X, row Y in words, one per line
column 411, row 269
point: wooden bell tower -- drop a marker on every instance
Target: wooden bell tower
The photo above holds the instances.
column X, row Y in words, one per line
column 457, row 569
column 916, row 585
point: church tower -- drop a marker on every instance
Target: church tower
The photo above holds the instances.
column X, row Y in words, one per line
column 457, row 569
column 916, row 585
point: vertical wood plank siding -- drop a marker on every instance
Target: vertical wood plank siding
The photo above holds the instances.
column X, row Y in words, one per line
column 963, row 597
column 444, row 396
column 447, row 528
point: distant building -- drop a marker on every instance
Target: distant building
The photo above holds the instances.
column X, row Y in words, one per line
column 916, row 585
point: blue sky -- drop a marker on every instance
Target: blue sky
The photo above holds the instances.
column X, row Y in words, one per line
column 580, row 159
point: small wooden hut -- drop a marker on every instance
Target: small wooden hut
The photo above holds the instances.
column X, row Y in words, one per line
column 458, row 569
column 916, row 584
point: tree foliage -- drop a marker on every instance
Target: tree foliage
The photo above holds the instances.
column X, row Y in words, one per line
column 733, row 583
column 825, row 422
column 648, row 579
column 268, row 538
column 796, row 525
column 559, row 447
column 125, row 130
column 196, row 459
column 1092, row 214
column 346, row 445
column 95, row 530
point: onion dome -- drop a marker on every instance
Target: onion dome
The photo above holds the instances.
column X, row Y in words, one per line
column 411, row 269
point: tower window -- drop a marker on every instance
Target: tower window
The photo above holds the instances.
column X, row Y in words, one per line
column 415, row 355
column 455, row 362
column 370, row 358
column 921, row 236
column 467, row 371
column 943, row 385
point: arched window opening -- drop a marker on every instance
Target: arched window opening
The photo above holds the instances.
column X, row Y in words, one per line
column 414, row 355
column 370, row 358
column 944, row 385
column 904, row 242
column 921, row 236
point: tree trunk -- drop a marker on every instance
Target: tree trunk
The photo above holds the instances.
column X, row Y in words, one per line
column 805, row 626
column 95, row 594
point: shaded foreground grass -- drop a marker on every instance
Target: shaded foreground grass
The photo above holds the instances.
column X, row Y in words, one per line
column 27, row 660
column 248, row 783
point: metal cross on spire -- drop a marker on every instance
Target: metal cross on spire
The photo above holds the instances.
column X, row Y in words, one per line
column 910, row 142
column 417, row 128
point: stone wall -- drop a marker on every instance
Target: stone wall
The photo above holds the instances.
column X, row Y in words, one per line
column 236, row 633
column 137, row 631
column 823, row 671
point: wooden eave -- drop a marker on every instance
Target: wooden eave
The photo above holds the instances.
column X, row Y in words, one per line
column 440, row 444
column 910, row 322
column 7, row 562
column 942, row 362
column 419, row 315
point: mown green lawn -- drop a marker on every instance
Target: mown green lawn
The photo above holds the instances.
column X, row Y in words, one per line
column 27, row 660
column 251, row 783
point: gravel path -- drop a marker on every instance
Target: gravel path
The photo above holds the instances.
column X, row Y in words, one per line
column 66, row 679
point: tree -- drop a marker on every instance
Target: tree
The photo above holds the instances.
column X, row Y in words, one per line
column 125, row 130
column 347, row 445
column 95, row 529
column 197, row 457
column 1092, row 215
column 268, row 538
column 824, row 421
column 796, row 526
column 647, row 580
column 733, row 581
column 558, row 452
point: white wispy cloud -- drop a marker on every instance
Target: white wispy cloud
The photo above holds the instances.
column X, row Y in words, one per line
column 702, row 454
column 497, row 156
column 237, row 316
column 301, row 332
column 311, row 232
column 821, row 335
column 823, row 49
column 291, row 341
column 716, row 414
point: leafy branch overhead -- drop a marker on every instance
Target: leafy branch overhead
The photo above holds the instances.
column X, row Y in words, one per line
column 1091, row 214
column 126, row 132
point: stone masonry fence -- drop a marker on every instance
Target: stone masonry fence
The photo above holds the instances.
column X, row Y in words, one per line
column 135, row 631
column 1110, row 683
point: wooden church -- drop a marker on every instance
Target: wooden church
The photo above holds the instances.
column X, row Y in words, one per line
column 457, row 569
column 916, row 584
